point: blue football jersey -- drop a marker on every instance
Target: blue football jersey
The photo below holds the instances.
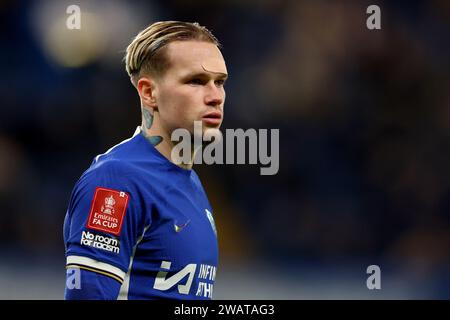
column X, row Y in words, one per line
column 144, row 223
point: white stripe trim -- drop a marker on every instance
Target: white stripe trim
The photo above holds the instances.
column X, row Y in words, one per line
column 138, row 130
column 88, row 262
column 123, row 293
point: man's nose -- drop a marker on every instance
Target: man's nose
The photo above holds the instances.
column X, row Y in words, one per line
column 214, row 96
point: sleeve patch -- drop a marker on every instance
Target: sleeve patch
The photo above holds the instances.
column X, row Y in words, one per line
column 107, row 210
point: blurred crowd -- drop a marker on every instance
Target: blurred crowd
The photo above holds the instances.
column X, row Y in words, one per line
column 364, row 119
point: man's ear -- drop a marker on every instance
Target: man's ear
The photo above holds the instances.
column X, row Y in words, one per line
column 146, row 88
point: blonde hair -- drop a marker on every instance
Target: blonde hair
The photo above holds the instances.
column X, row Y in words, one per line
column 145, row 54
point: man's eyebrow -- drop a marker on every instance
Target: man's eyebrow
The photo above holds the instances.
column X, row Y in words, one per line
column 202, row 74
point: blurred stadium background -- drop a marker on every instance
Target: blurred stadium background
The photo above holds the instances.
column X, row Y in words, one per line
column 364, row 119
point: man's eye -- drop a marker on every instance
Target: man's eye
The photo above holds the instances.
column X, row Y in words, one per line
column 220, row 83
column 196, row 81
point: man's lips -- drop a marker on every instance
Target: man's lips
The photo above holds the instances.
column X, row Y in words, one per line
column 213, row 118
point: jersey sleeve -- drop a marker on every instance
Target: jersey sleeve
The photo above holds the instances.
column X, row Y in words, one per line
column 104, row 219
column 89, row 285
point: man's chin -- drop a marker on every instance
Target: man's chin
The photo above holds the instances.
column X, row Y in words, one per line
column 210, row 134
column 211, row 131
column 205, row 132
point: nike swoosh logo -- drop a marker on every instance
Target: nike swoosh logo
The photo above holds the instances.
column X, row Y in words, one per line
column 178, row 228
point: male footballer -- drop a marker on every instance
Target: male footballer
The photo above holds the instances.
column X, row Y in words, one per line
column 139, row 226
